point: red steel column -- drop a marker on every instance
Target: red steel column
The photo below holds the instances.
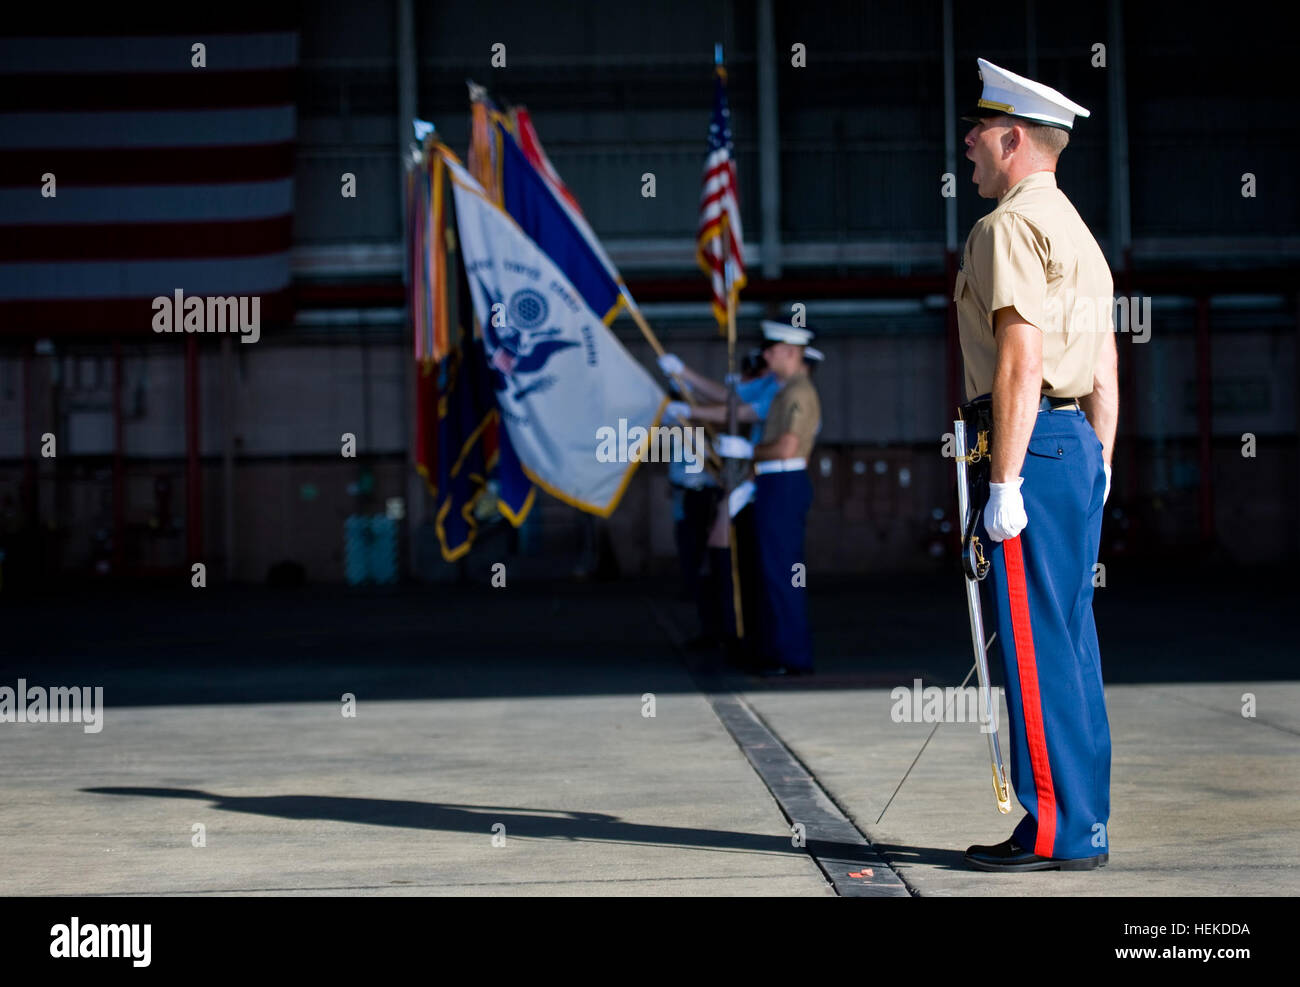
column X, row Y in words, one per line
column 31, row 500
column 193, row 473
column 1128, row 404
column 1205, row 417
column 952, row 354
column 119, row 467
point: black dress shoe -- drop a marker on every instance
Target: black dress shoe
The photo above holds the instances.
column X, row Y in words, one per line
column 780, row 671
column 1010, row 857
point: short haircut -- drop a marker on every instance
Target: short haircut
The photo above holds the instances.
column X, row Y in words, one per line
column 1048, row 139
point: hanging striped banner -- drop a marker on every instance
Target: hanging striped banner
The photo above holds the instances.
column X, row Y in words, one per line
column 129, row 171
column 719, row 200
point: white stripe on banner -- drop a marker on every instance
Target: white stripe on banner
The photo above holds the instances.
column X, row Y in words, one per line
column 80, row 56
column 143, row 278
column 714, row 209
column 148, row 128
column 715, row 158
column 147, row 203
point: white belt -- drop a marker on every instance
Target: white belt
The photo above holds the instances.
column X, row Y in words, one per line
column 780, row 465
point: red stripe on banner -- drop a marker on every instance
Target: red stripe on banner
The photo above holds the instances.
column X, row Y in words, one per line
column 125, row 316
column 151, row 18
column 118, row 91
column 718, row 169
column 709, row 226
column 146, row 241
column 712, row 197
column 718, row 178
column 1030, row 700
column 149, row 166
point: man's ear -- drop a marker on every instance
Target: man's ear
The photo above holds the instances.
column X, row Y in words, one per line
column 1013, row 139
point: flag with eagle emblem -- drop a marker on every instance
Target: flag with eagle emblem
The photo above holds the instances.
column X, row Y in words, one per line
column 560, row 374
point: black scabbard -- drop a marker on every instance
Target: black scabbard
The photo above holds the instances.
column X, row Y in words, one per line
column 977, row 416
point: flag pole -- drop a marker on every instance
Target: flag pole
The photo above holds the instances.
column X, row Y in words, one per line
column 731, row 470
column 640, row 321
column 730, row 473
column 655, row 345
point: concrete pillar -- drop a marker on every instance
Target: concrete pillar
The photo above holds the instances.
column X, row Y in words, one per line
column 952, row 360
column 407, row 88
column 769, row 153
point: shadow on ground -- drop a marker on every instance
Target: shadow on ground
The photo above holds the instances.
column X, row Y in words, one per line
column 479, row 819
column 257, row 644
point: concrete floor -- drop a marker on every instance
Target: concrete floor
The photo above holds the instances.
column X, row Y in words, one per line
column 478, row 708
column 1203, row 800
column 405, row 798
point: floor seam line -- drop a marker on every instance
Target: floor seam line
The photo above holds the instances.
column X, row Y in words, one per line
column 847, row 850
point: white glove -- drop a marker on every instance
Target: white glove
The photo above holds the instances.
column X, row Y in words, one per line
column 1106, row 495
column 671, row 365
column 1004, row 517
column 733, row 447
column 677, row 410
column 741, row 496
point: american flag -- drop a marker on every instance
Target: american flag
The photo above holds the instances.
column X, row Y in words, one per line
column 719, row 198
column 128, row 171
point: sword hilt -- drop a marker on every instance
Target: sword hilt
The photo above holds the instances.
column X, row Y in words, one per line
column 980, row 451
column 975, row 565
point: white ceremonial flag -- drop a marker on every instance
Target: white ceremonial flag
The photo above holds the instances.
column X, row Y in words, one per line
column 562, row 378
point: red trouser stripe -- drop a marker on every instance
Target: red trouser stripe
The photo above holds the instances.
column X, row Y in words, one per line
column 1030, row 701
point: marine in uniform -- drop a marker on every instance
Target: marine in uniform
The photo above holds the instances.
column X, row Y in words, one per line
column 1035, row 310
column 782, row 496
column 708, row 529
column 756, row 391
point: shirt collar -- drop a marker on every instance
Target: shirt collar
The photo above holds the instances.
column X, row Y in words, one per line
column 1036, row 179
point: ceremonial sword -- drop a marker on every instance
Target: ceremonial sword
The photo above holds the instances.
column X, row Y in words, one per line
column 975, row 567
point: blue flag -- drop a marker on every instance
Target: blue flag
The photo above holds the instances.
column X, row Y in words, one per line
column 532, row 205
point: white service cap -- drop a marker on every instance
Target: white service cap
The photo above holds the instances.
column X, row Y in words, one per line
column 780, row 332
column 1016, row 96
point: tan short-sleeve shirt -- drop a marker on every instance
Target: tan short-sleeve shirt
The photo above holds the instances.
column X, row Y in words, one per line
column 796, row 409
column 1034, row 252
